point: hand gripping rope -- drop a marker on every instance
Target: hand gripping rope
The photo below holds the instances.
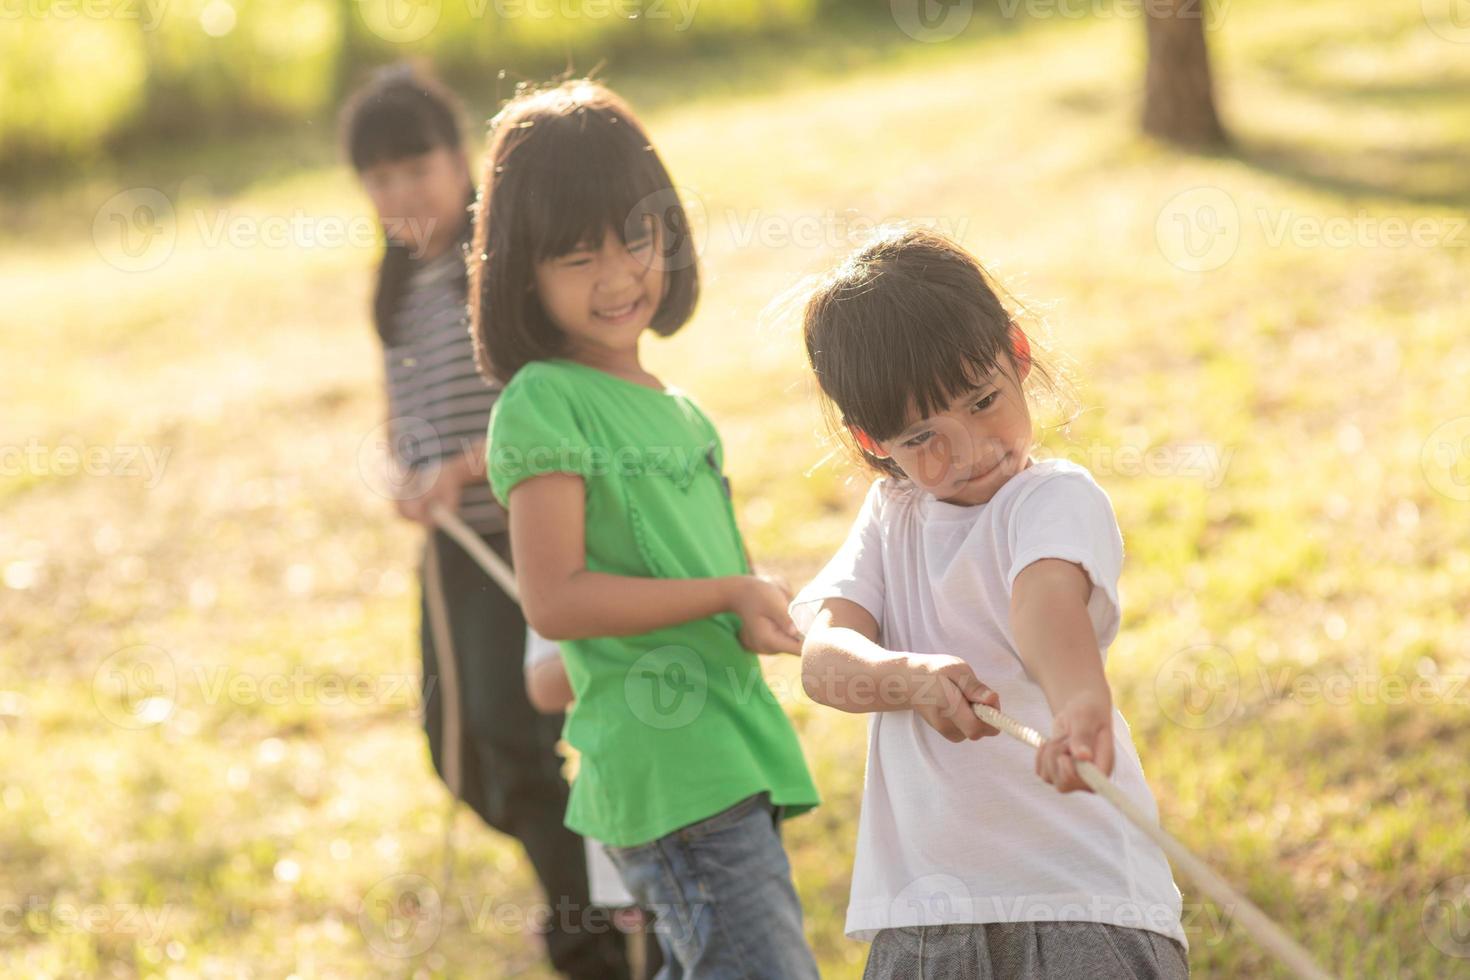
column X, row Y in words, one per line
column 1256, row 923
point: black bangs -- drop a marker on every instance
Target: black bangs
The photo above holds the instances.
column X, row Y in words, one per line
column 585, row 174
column 902, row 329
column 398, row 114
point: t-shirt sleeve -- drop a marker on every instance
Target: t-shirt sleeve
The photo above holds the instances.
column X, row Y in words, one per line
column 539, row 648
column 1070, row 517
column 534, row 430
column 855, row 573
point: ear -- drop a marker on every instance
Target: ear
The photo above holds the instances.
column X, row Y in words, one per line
column 867, row 442
column 1021, row 347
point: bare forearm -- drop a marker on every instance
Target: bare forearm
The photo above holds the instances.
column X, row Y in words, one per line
column 590, row 603
column 1055, row 639
column 843, row 669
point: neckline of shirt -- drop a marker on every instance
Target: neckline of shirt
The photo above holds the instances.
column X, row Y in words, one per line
column 667, row 391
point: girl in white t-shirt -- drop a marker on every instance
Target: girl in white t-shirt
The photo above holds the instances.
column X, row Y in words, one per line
column 971, row 560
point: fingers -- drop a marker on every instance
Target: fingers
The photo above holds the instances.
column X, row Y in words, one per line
column 1103, row 751
column 980, row 694
column 764, row 635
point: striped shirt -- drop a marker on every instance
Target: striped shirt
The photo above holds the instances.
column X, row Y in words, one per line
column 439, row 405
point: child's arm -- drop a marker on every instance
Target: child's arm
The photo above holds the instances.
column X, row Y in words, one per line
column 563, row 600
column 1059, row 649
column 844, row 667
column 547, row 685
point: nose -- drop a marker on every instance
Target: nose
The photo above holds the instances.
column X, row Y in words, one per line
column 621, row 270
column 973, row 448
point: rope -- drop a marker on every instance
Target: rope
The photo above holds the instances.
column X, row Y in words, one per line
column 449, row 704
column 1255, row 922
column 457, row 529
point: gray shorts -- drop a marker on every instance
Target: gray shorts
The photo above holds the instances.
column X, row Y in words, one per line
column 1025, row 951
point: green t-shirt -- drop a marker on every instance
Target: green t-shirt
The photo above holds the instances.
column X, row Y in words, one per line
column 674, row 725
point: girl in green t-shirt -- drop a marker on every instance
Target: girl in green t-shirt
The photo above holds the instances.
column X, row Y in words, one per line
column 624, row 537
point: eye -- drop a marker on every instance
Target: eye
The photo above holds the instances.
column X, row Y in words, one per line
column 987, row 401
column 641, row 244
column 918, row 440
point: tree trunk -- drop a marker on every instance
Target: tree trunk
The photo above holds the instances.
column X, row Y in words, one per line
column 1179, row 98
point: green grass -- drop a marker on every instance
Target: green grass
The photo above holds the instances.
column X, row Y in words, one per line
column 251, row 829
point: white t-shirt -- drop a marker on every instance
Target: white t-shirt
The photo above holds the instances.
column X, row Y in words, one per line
column 603, row 881
column 967, row 832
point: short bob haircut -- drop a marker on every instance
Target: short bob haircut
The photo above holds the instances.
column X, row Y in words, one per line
column 564, row 166
column 906, row 324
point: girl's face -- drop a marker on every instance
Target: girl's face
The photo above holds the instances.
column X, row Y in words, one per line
column 603, row 295
column 964, row 454
column 421, row 199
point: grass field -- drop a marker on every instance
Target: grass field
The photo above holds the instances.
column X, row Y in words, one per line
column 1270, row 350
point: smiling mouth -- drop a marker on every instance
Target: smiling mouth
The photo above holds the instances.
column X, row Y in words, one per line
column 617, row 312
column 975, row 478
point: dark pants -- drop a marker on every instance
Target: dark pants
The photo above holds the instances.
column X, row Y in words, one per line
column 511, row 769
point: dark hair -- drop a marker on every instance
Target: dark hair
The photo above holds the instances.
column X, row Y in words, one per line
column 565, row 164
column 402, row 111
column 906, row 323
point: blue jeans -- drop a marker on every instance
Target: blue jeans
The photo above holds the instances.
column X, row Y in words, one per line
column 722, row 895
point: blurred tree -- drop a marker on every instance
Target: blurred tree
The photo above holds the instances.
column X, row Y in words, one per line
column 1179, row 97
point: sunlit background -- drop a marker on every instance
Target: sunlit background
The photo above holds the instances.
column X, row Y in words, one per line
column 210, row 759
